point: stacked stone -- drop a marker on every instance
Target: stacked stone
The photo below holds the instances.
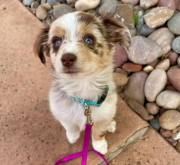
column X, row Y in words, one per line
column 147, row 75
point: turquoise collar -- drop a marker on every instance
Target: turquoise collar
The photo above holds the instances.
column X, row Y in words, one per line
column 98, row 103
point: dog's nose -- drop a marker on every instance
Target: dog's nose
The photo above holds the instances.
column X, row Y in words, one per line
column 68, row 59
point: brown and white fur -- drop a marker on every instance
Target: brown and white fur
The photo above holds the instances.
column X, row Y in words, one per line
column 87, row 77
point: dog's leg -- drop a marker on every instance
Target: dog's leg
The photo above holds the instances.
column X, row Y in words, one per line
column 112, row 126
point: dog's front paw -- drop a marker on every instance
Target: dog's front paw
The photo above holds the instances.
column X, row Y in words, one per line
column 112, row 126
column 100, row 146
column 72, row 137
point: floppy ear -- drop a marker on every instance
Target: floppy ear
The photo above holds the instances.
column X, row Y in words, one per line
column 116, row 31
column 40, row 46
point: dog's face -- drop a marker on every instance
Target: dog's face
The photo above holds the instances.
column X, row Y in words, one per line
column 81, row 43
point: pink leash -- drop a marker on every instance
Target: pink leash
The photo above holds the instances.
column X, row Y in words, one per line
column 84, row 153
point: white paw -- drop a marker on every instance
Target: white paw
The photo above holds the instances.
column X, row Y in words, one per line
column 72, row 137
column 100, row 146
column 112, row 126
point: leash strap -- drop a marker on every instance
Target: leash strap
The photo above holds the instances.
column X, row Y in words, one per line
column 85, row 150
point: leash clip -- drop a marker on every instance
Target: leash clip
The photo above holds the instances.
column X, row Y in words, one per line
column 87, row 113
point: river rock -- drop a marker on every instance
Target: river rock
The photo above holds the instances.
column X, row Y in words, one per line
column 146, row 31
column 178, row 61
column 178, row 146
column 171, row 141
column 133, row 32
column 174, row 78
column 84, row 5
column 168, row 99
column 119, row 70
column 139, row 109
column 178, row 8
column 158, row 16
column 154, row 63
column 62, row 9
column 148, row 69
column 135, row 87
column 172, row 4
column 163, row 37
column 155, row 83
column 169, row 120
column 145, row 4
column 71, row 1
column 130, row 67
column 166, row 133
column 134, row 2
column 120, row 79
column 174, row 24
column 28, row 2
column 155, row 124
column 164, row 65
column 47, row 6
column 172, row 56
column 152, row 108
column 170, row 88
column 41, row 13
column 34, row 5
column 143, row 50
column 176, row 45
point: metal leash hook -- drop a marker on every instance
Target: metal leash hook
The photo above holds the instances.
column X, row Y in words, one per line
column 87, row 112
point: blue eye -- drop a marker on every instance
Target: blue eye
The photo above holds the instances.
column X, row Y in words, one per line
column 88, row 40
column 57, row 42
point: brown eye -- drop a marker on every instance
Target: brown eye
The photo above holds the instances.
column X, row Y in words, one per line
column 57, row 42
column 89, row 39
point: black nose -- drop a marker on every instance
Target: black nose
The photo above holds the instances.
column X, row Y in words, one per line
column 68, row 59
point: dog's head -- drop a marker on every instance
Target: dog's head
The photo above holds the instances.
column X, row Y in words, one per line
column 80, row 42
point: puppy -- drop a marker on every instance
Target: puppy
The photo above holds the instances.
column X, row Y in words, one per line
column 81, row 48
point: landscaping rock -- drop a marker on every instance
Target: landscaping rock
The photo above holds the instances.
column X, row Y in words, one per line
column 120, row 79
column 41, row 13
column 155, row 124
column 152, row 108
column 166, row 133
column 178, row 146
column 164, row 65
column 145, row 4
column 172, row 4
column 170, row 88
column 172, row 56
column 176, row 45
column 34, row 5
column 119, row 70
column 47, row 6
column 148, row 69
column 61, row 10
column 134, row 2
column 146, row 31
column 28, row 2
column 84, row 5
column 178, row 61
column 130, row 67
column 71, row 1
column 174, row 24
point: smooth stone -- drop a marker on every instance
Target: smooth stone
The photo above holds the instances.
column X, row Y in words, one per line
column 172, row 56
column 155, row 83
column 84, row 5
column 176, row 136
column 166, row 133
column 164, row 64
column 172, row 4
column 170, row 88
column 175, row 67
column 178, row 8
column 130, row 67
column 161, row 111
column 139, row 109
column 47, row 6
column 176, row 45
column 53, row 2
column 28, row 2
column 145, row 4
column 171, row 141
column 35, row 5
column 50, row 12
column 135, row 87
column 120, row 79
column 155, row 124
column 120, row 56
column 134, row 2
column 43, row 1
column 41, row 13
column 178, row 61
column 71, row 1
column 146, row 31
column 176, row 130
column 148, row 69
column 169, row 120
column 119, row 70
column 174, row 24
column 62, row 9
column 108, row 7
column 152, row 108
column 158, row 16
column 177, row 147
column 124, row 13
column 168, row 99
column 133, row 32
column 163, row 37
column 174, row 78
column 154, row 63
column 143, row 50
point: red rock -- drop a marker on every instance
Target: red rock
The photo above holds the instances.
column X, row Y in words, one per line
column 154, row 63
column 171, row 88
column 172, row 4
column 161, row 111
column 130, row 67
column 166, row 133
column 120, row 56
column 173, row 56
column 119, row 70
column 174, row 78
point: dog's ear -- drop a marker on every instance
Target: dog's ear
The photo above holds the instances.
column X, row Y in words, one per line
column 116, row 32
column 41, row 47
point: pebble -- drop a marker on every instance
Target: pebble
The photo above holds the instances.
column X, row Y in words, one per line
column 62, row 9
column 120, row 79
column 28, row 2
column 148, row 69
column 178, row 61
column 169, row 120
column 158, row 16
column 43, row 1
column 164, row 64
column 135, row 87
column 172, row 56
column 176, row 130
column 174, row 78
column 174, row 24
column 120, row 56
column 143, row 50
column 178, row 8
column 130, row 67
column 71, row 1
column 41, row 13
column 133, row 32
column 172, row 4
column 145, row 4
column 146, row 31
column 178, row 146
column 155, row 83
column 170, row 88
column 176, row 45
column 171, row 141
column 84, row 5
column 52, row 2
column 176, row 136
column 35, row 5
column 152, row 108
column 161, row 111
column 166, row 133
column 139, row 109
column 134, row 2
column 155, row 124
column 163, row 37
column 154, row 63
column 119, row 70
column 50, row 12
column 168, row 99
column 47, row 6
column 108, row 7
